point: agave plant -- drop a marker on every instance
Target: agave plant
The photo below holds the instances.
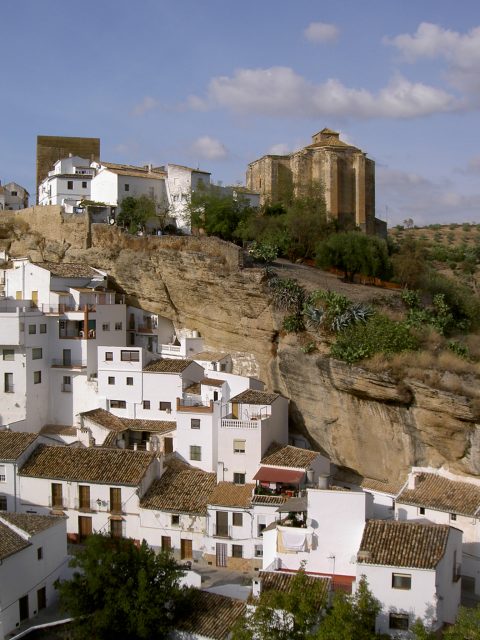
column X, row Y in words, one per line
column 313, row 317
column 287, row 294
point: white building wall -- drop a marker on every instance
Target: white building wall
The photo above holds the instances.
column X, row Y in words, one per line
column 243, row 534
column 204, row 437
column 155, row 524
column 24, row 574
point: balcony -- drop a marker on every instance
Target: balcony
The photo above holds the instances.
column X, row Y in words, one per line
column 57, row 503
column 116, row 508
column 86, row 505
column 170, row 349
column 189, row 405
column 61, row 363
column 222, row 531
column 146, row 328
column 233, row 423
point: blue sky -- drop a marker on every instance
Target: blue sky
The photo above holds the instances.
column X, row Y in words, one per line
column 217, row 84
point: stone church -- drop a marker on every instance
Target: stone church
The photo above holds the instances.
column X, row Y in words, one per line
column 347, row 176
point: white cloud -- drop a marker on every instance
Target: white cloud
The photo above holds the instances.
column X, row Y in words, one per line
column 410, row 195
column 279, row 91
column 147, row 104
column 460, row 51
column 321, row 32
column 280, row 149
column 209, row 148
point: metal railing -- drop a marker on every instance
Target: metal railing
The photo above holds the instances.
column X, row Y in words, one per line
column 222, row 531
column 72, row 364
column 57, row 503
column 85, row 505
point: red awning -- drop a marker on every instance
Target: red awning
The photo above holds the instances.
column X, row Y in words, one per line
column 274, row 474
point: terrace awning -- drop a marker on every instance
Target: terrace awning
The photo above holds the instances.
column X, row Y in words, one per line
column 275, row 474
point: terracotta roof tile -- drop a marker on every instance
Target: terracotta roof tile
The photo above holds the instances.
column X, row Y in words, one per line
column 13, row 444
column 210, row 356
column 115, row 423
column 403, row 544
column 167, row 365
column 109, row 466
column 436, row 492
column 252, row 396
column 58, row 429
column 10, row 541
column 278, row 455
column 68, row 269
column 274, row 501
column 31, row 523
column 282, row 581
column 181, row 488
column 212, row 382
column 212, row 616
column 228, row 494
column 384, row 486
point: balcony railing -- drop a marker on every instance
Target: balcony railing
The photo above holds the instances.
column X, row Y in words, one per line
column 222, row 531
column 68, row 364
column 57, row 503
column 86, row 505
column 146, row 328
column 194, row 406
column 170, row 348
column 106, row 505
column 232, row 423
column 9, row 388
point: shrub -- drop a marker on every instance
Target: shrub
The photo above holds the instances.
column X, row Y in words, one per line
column 293, row 323
column 287, row 294
column 459, row 349
column 378, row 335
column 309, row 347
column 263, row 252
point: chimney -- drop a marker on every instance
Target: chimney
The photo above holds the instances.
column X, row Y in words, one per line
column 220, row 472
column 413, row 481
column 256, row 587
column 323, row 480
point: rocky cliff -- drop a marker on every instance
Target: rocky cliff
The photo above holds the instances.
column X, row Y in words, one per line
column 367, row 422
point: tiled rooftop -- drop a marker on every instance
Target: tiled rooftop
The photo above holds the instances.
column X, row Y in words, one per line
column 212, row 382
column 29, row 522
column 397, row 543
column 384, row 486
column 13, row 444
column 436, row 492
column 278, row 455
column 212, row 615
column 181, row 488
column 251, row 396
column 210, row 356
column 273, row 501
column 135, row 172
column 167, row 365
column 108, row 466
column 68, row 269
column 10, row 542
column 228, row 494
column 114, row 423
column 280, row 581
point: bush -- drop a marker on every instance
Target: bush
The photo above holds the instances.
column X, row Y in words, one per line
column 459, row 349
column 293, row 323
column 463, row 303
column 378, row 335
column 287, row 294
column 263, row 252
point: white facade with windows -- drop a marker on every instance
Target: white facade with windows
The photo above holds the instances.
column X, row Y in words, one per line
column 182, row 181
column 67, row 184
column 32, row 558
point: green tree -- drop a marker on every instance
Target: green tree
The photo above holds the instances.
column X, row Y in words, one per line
column 284, row 615
column 216, row 212
column 135, row 212
column 351, row 617
column 354, row 252
column 467, row 626
column 123, row 591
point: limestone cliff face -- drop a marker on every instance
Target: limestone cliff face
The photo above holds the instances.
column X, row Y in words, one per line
column 367, row 422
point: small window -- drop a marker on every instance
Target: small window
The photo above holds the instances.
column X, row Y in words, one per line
column 32, row 328
column 175, row 520
column 399, row 621
column 258, row 551
column 106, row 326
column 40, row 553
column 108, row 356
column 13, row 193
column 239, row 478
column 195, row 453
column 421, row 511
column 237, row 519
column 146, row 404
column 67, row 380
column 84, row 184
column 118, row 326
column 261, row 527
column 239, row 446
column 129, row 356
column 237, row 551
column 118, row 404
column 453, row 516
column 129, row 382
column 70, row 184
column 37, row 377
column 401, row 581
column 195, row 423
column 9, row 354
column 37, row 353
column 127, row 187
column 215, row 396
column 165, row 406
column 111, row 379
column 3, row 503
column 3, row 473
column 43, row 328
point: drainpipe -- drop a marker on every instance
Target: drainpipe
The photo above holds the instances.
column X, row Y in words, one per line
column 85, row 321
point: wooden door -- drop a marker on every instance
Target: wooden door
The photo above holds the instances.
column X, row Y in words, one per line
column 67, row 357
column 116, row 528
column 222, row 524
column 41, row 598
column 84, row 527
column 84, row 497
column 168, row 445
column 235, row 410
column 115, row 500
column 221, row 554
column 185, row 549
column 57, row 497
column 23, row 604
column 35, row 297
column 166, row 543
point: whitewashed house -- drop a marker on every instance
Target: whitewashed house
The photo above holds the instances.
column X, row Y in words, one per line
column 181, row 182
column 67, row 184
column 13, row 197
column 14, row 450
column 33, row 555
column 173, row 512
column 437, row 495
column 98, row 489
column 414, row 570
